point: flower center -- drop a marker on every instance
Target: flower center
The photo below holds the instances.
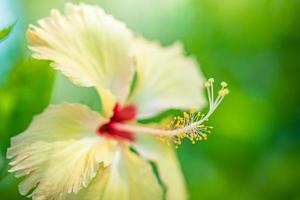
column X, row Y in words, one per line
column 121, row 115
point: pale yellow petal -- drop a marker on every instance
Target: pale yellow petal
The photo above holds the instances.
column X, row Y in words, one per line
column 88, row 46
column 60, row 152
column 53, row 170
column 108, row 102
column 166, row 79
column 129, row 177
column 167, row 163
column 58, row 123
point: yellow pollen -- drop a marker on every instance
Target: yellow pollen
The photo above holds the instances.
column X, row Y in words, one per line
column 190, row 124
column 223, row 92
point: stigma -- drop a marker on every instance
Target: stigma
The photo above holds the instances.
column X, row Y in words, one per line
column 121, row 115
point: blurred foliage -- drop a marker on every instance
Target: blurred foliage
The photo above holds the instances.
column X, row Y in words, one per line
column 253, row 152
column 4, row 32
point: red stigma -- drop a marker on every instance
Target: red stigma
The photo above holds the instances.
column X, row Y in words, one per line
column 121, row 115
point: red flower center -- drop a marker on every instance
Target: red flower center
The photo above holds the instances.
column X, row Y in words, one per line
column 121, row 115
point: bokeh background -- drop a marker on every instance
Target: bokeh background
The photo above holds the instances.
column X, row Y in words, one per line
column 253, row 152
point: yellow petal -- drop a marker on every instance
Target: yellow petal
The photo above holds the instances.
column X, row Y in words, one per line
column 88, row 46
column 107, row 101
column 58, row 123
column 166, row 79
column 56, row 169
column 60, row 152
column 127, row 178
column 167, row 163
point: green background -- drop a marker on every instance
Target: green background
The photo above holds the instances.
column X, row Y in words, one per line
column 253, row 152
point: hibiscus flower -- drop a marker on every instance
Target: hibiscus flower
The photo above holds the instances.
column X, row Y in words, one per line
column 72, row 152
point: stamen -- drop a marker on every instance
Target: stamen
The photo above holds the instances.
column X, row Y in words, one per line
column 189, row 125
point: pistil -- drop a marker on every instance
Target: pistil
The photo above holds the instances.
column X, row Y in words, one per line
column 190, row 125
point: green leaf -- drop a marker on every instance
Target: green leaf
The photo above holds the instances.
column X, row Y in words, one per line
column 4, row 32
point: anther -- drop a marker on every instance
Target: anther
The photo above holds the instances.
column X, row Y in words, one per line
column 224, row 84
column 207, row 84
column 223, row 92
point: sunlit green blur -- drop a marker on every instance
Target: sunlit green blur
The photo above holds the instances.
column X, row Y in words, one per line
column 254, row 45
